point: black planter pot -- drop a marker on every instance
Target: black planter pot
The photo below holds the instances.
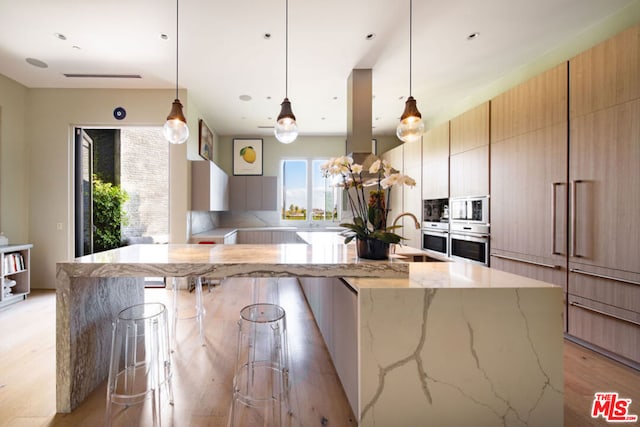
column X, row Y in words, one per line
column 372, row 249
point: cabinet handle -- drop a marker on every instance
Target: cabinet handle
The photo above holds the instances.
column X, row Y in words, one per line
column 602, row 276
column 574, row 218
column 553, row 217
column 604, row 313
column 539, row 264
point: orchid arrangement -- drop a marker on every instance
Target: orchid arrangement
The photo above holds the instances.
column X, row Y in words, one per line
column 369, row 213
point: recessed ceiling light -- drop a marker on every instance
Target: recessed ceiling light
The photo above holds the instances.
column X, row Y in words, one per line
column 268, row 97
column 269, row 118
column 37, row 63
column 335, row 97
column 267, row 36
column 400, row 97
column 323, row 118
column 164, row 36
column 76, row 47
column 370, row 36
column 245, row 97
column 61, row 36
column 473, row 36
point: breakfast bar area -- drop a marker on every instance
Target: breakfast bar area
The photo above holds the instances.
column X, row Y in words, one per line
column 434, row 340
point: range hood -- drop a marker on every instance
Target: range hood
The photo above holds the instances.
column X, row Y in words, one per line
column 359, row 112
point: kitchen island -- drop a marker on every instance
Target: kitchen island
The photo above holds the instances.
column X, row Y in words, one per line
column 434, row 339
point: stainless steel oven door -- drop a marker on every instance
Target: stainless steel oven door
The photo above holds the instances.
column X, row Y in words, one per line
column 470, row 247
column 436, row 241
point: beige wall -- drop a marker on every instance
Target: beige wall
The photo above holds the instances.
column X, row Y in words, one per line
column 14, row 166
column 51, row 115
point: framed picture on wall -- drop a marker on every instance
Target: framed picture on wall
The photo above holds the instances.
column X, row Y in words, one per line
column 205, row 141
column 247, row 156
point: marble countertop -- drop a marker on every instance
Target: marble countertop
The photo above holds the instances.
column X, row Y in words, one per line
column 449, row 275
column 219, row 261
column 322, row 258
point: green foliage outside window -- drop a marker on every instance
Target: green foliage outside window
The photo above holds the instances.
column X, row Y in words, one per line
column 108, row 215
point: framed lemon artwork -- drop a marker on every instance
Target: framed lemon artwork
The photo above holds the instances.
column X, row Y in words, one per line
column 247, row 156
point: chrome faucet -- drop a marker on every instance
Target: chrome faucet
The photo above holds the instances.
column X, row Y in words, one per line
column 415, row 221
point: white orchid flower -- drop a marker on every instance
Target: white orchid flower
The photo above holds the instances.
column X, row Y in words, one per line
column 375, row 167
column 407, row 180
column 355, row 168
column 390, row 180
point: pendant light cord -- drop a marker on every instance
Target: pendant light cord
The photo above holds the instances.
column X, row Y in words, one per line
column 286, row 49
column 177, row 11
column 410, row 41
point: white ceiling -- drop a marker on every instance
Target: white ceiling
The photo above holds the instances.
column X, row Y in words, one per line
column 223, row 52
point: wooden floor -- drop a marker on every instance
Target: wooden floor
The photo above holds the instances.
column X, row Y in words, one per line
column 203, row 375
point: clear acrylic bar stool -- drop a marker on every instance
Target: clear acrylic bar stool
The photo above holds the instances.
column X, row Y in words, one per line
column 261, row 380
column 140, row 363
column 197, row 313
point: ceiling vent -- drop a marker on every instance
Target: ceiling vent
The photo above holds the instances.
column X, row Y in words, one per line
column 103, row 76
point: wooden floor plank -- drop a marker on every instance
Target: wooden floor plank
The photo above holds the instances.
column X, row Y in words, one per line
column 203, row 375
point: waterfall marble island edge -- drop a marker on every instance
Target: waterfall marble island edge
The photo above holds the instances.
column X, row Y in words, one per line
column 436, row 340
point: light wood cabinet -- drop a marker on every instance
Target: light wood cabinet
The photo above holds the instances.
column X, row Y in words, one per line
column 469, row 159
column 529, row 194
column 253, row 193
column 535, row 104
column 209, row 187
column 529, row 190
column 605, row 178
column 435, row 163
column 607, row 74
column 395, row 158
column 15, row 279
column 604, row 175
column 608, row 327
column 412, row 197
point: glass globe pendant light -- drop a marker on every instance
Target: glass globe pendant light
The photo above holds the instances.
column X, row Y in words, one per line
column 411, row 126
column 286, row 129
column 175, row 129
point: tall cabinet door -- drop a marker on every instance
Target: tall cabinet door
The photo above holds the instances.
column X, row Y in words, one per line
column 412, row 196
column 435, row 163
column 529, row 187
column 604, row 262
column 469, row 139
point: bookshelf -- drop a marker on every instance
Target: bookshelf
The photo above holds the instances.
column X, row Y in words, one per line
column 14, row 273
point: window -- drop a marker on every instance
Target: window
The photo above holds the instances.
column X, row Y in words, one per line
column 306, row 195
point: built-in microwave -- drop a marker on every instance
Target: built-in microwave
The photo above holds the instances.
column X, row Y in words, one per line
column 470, row 210
column 435, row 211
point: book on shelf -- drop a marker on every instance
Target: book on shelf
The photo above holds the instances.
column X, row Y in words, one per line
column 13, row 263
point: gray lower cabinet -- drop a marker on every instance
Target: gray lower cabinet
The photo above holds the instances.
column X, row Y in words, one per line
column 253, row 193
column 254, row 237
column 334, row 305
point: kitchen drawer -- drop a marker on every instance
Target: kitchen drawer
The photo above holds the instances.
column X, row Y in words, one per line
column 611, row 328
column 612, row 287
column 550, row 269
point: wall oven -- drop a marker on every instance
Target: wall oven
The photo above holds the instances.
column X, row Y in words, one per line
column 470, row 243
column 435, row 226
column 469, row 235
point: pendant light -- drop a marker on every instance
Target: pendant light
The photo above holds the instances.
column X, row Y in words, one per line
column 286, row 129
column 175, row 129
column 411, row 126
